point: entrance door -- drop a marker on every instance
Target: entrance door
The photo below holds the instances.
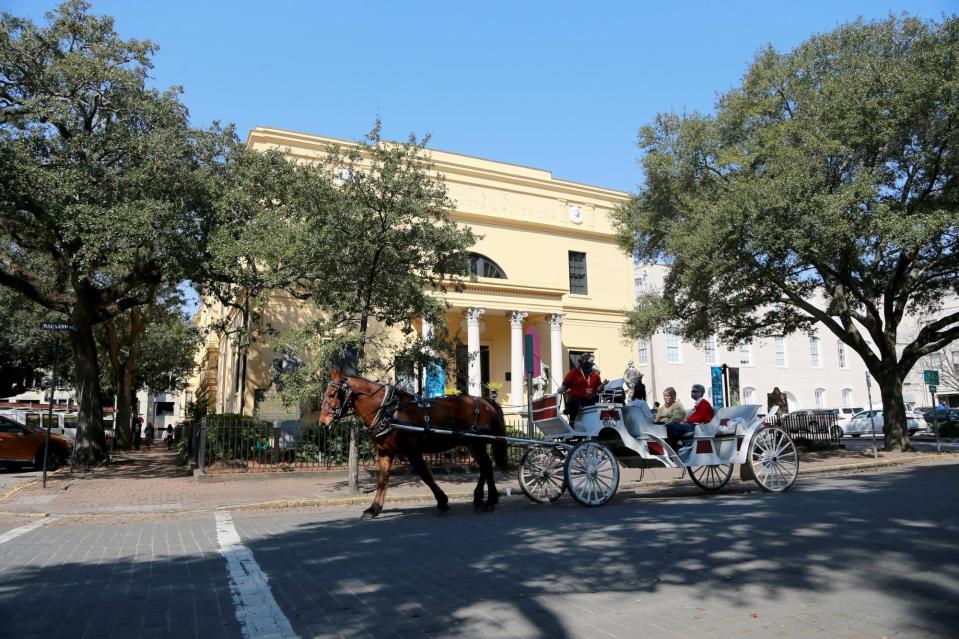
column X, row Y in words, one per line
column 462, row 369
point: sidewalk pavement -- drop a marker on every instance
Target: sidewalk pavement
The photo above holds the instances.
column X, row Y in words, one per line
column 150, row 482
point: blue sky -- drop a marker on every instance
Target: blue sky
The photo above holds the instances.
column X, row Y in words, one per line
column 562, row 86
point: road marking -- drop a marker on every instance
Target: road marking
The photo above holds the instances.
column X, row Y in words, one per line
column 22, row 530
column 256, row 609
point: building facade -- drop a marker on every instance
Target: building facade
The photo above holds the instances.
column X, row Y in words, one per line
column 812, row 371
column 546, row 264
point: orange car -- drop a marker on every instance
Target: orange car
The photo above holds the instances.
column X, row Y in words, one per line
column 23, row 445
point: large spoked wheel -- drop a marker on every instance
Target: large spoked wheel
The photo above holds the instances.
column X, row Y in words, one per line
column 711, row 478
column 541, row 474
column 592, row 473
column 774, row 459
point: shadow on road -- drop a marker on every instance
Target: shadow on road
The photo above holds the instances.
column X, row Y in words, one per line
column 413, row 571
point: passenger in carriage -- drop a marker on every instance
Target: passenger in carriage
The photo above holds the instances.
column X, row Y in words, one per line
column 583, row 384
column 671, row 412
column 701, row 413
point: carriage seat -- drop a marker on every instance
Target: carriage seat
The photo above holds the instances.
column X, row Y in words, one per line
column 726, row 421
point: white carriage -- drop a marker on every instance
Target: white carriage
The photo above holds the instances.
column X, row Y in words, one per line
column 585, row 457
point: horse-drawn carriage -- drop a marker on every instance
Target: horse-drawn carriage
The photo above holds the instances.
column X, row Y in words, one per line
column 584, row 457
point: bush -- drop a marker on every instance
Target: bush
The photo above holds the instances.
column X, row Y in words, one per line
column 232, row 437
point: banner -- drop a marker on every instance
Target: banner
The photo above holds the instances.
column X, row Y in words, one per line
column 435, row 381
column 716, row 381
column 733, row 386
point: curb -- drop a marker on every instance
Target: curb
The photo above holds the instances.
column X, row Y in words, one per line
column 13, row 491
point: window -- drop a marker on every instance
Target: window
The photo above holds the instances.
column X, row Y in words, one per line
column 483, row 266
column 935, row 360
column 847, row 398
column 780, row 352
column 814, row 352
column 164, row 408
column 749, row 395
column 711, row 349
column 673, row 354
column 577, row 273
column 643, row 351
column 820, row 398
column 745, row 354
column 841, row 352
column 955, row 359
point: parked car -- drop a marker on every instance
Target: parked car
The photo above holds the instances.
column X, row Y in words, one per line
column 813, row 420
column 943, row 415
column 22, row 445
column 861, row 424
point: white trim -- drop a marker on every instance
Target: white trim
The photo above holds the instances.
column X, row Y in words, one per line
column 10, row 535
column 256, row 609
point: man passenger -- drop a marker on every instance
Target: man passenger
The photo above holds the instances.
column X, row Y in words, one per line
column 701, row 413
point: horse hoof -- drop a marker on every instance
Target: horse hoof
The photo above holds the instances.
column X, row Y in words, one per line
column 368, row 514
column 443, row 508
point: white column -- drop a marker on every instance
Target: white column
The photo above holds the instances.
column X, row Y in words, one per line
column 427, row 332
column 517, row 373
column 557, row 368
column 473, row 350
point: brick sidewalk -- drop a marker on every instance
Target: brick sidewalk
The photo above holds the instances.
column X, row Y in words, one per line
column 151, row 482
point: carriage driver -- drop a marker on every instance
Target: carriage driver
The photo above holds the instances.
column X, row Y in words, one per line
column 701, row 413
column 583, row 384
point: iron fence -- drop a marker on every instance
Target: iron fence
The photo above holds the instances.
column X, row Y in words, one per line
column 231, row 444
column 812, row 429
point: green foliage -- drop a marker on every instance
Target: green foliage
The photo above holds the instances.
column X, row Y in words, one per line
column 236, row 437
column 105, row 188
column 331, row 445
column 824, row 190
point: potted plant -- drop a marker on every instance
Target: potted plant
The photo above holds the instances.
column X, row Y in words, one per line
column 493, row 388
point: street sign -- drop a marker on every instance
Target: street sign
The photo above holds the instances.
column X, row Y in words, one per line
column 57, row 326
column 933, row 389
column 930, row 377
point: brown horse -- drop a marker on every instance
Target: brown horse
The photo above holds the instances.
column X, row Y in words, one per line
column 378, row 404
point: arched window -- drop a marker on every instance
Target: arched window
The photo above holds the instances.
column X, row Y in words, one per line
column 749, row 395
column 847, row 398
column 820, row 398
column 483, row 266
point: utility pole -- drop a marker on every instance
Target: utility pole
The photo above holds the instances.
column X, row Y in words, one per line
column 52, row 326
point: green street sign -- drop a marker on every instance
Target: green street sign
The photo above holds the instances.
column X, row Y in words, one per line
column 932, row 389
column 930, row 377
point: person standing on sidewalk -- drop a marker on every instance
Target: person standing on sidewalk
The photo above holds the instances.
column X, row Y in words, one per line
column 148, row 433
column 169, row 436
column 136, row 433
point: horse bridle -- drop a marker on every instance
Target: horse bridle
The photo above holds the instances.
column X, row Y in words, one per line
column 346, row 400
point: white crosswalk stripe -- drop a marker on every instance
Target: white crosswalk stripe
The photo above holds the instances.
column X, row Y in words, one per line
column 22, row 530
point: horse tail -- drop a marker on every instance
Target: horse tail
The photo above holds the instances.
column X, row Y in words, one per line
column 500, row 449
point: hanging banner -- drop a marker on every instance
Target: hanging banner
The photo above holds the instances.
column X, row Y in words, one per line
column 435, row 381
column 734, row 399
column 716, row 381
column 531, row 352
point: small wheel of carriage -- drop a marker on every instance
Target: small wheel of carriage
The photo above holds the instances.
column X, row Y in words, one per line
column 774, row 459
column 541, row 474
column 592, row 473
column 711, row 478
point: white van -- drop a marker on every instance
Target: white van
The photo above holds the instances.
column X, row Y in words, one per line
column 64, row 424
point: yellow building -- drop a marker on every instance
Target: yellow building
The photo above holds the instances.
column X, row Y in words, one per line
column 547, row 260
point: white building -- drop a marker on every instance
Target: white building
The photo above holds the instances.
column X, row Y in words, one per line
column 161, row 409
column 816, row 371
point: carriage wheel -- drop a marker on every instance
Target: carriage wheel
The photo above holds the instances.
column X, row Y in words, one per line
column 774, row 459
column 711, row 478
column 541, row 474
column 592, row 473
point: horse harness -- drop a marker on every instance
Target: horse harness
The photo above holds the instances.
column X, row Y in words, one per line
column 386, row 413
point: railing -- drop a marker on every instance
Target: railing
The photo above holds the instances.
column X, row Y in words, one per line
column 231, row 444
column 815, row 430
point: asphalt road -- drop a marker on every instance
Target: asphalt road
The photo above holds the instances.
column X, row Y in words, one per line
column 859, row 555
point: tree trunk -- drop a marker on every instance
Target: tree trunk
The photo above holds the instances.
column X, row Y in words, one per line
column 91, row 442
column 894, row 411
column 122, row 428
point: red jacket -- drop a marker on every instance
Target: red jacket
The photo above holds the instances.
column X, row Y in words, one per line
column 702, row 413
column 579, row 385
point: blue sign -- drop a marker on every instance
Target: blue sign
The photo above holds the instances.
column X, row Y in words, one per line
column 716, row 377
column 435, row 381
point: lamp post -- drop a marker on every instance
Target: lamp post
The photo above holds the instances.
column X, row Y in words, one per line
column 52, row 326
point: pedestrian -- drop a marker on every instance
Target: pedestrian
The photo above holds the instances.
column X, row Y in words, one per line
column 169, row 436
column 136, row 433
column 148, row 433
